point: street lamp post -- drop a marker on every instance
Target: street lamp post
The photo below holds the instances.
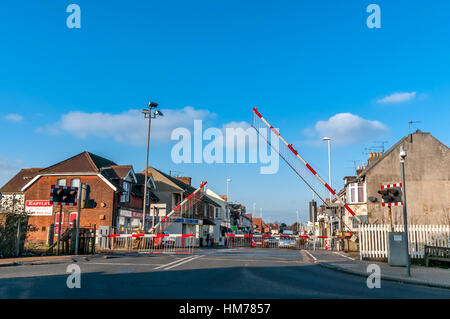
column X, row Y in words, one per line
column 260, row 212
column 297, row 221
column 329, row 161
column 148, row 115
column 228, row 188
column 329, row 174
column 405, row 218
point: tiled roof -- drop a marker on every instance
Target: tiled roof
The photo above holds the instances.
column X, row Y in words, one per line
column 21, row 179
column 83, row 162
column 121, row 170
column 185, row 187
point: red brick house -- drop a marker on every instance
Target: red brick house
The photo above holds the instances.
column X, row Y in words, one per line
column 114, row 201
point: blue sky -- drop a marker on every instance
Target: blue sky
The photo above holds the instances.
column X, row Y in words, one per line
column 302, row 63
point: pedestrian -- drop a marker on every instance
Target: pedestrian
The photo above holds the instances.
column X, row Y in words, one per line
column 207, row 240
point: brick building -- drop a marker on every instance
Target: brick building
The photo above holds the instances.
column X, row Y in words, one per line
column 113, row 202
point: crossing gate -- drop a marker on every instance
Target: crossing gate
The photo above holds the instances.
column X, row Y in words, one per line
column 183, row 208
column 148, row 243
column 282, row 241
column 297, row 163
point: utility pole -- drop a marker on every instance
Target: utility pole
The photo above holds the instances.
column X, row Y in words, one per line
column 297, row 221
column 405, row 217
column 148, row 114
column 77, row 238
column 60, row 219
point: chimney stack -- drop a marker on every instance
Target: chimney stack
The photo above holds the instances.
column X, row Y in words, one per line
column 373, row 157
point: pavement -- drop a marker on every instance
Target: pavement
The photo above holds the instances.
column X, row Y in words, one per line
column 38, row 260
column 238, row 273
column 349, row 263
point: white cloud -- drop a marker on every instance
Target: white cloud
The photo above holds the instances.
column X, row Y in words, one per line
column 243, row 140
column 398, row 97
column 347, row 128
column 128, row 127
column 15, row 118
column 7, row 171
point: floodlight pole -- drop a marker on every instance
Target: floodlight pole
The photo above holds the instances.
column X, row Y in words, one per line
column 145, row 179
column 148, row 114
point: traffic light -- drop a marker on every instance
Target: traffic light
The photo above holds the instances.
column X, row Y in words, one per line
column 62, row 195
column 391, row 195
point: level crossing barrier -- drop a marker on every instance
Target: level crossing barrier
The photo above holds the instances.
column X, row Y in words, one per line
column 281, row 241
column 148, row 243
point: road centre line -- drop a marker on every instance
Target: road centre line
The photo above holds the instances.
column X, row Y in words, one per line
column 315, row 259
column 183, row 262
column 173, row 262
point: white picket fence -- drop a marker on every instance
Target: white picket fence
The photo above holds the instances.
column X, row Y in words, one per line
column 373, row 239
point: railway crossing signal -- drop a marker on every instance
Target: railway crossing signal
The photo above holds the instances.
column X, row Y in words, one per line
column 63, row 195
column 391, row 195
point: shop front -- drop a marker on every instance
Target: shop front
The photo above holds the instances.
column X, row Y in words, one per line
column 129, row 221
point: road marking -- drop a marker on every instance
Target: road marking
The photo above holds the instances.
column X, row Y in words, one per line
column 344, row 255
column 173, row 262
column 310, row 255
column 183, row 262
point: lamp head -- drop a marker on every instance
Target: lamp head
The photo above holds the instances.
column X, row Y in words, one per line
column 402, row 153
column 326, row 139
column 152, row 104
column 159, row 113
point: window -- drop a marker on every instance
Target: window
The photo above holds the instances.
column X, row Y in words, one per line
column 126, row 191
column 356, row 193
column 75, row 182
column 61, row 182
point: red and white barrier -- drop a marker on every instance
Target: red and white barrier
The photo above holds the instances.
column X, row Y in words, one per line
column 148, row 243
column 279, row 241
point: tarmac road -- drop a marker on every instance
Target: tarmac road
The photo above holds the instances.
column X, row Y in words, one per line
column 209, row 273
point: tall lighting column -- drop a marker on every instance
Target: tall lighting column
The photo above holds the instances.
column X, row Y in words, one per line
column 148, row 114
